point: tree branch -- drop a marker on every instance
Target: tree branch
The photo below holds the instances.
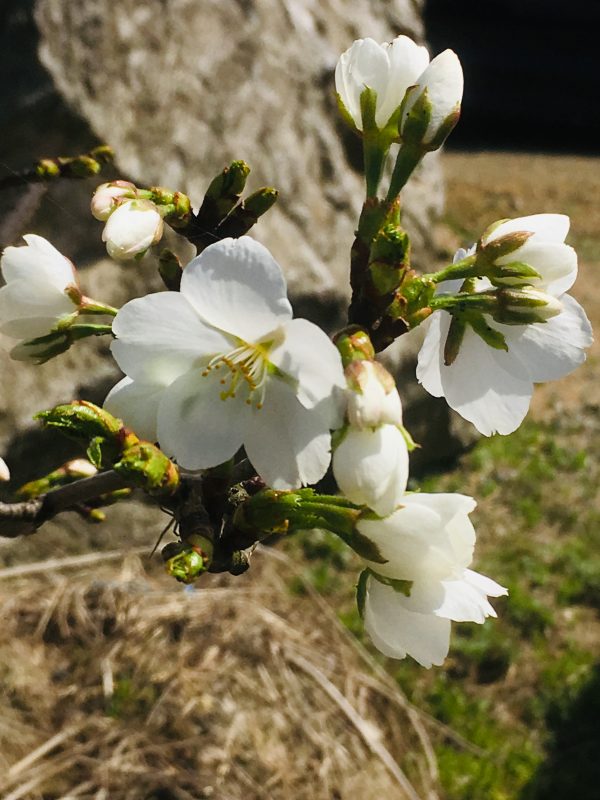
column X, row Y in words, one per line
column 23, row 519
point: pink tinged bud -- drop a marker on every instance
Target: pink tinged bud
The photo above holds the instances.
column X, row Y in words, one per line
column 4, row 470
column 373, row 399
column 108, row 196
column 436, row 99
column 131, row 229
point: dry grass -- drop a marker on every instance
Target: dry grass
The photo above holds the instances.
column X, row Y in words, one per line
column 124, row 686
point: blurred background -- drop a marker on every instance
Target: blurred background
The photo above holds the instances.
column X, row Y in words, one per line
column 116, row 683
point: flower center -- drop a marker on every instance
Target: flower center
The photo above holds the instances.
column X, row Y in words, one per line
column 249, row 369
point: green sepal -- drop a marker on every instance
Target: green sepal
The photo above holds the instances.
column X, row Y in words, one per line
column 346, row 115
column 397, row 584
column 454, row 339
column 490, row 336
column 361, row 591
column 354, row 344
column 363, row 546
column 170, row 270
column 503, row 246
column 144, row 465
column 444, row 130
column 517, row 273
column 416, row 123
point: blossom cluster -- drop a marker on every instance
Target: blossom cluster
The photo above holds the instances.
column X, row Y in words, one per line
column 217, row 369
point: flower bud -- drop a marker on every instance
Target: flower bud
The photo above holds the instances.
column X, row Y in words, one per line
column 525, row 306
column 373, row 399
column 4, row 470
column 131, row 229
column 371, row 467
column 432, row 106
column 108, row 196
column 385, row 69
column 529, row 250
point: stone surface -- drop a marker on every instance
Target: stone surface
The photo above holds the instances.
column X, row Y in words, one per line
column 182, row 88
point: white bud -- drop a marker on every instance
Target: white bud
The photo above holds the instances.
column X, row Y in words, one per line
column 537, row 240
column 372, row 396
column 108, row 196
column 371, row 467
column 438, row 94
column 387, row 69
column 131, row 229
column 80, row 468
column 4, row 470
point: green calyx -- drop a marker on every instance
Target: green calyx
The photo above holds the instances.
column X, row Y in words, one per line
column 111, row 445
column 354, row 344
column 189, row 559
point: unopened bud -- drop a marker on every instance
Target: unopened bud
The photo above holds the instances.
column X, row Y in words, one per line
column 149, row 468
column 354, row 344
column 373, row 399
column 80, row 468
column 108, row 196
column 432, row 107
column 4, row 470
column 525, row 306
column 131, row 229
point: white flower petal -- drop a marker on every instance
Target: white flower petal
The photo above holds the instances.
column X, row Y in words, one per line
column 131, row 229
column 197, row 427
column 237, row 286
column 371, row 467
column 308, row 355
column 548, row 227
column 430, row 362
column 484, row 584
column 554, row 348
column 288, row 445
column 462, row 602
column 136, row 403
column 407, row 61
column 29, row 309
column 555, row 262
column 490, row 388
column 160, row 336
column 37, row 262
column 453, row 510
column 396, row 630
column 364, row 64
column 443, row 81
column 413, row 542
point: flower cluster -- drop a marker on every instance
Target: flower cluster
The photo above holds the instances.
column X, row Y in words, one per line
column 251, row 406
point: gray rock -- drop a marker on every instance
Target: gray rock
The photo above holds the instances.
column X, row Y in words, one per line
column 182, row 88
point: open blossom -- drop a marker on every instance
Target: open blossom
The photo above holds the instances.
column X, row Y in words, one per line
column 427, row 545
column 40, row 285
column 387, row 69
column 370, row 462
column 222, row 363
column 441, row 85
column 492, row 388
column 131, row 229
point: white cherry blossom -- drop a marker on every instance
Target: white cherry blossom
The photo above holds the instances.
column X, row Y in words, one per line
column 428, row 542
column 222, row 363
column 388, row 69
column 493, row 388
column 35, row 297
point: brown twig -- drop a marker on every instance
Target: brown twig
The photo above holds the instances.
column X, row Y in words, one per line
column 23, row 519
